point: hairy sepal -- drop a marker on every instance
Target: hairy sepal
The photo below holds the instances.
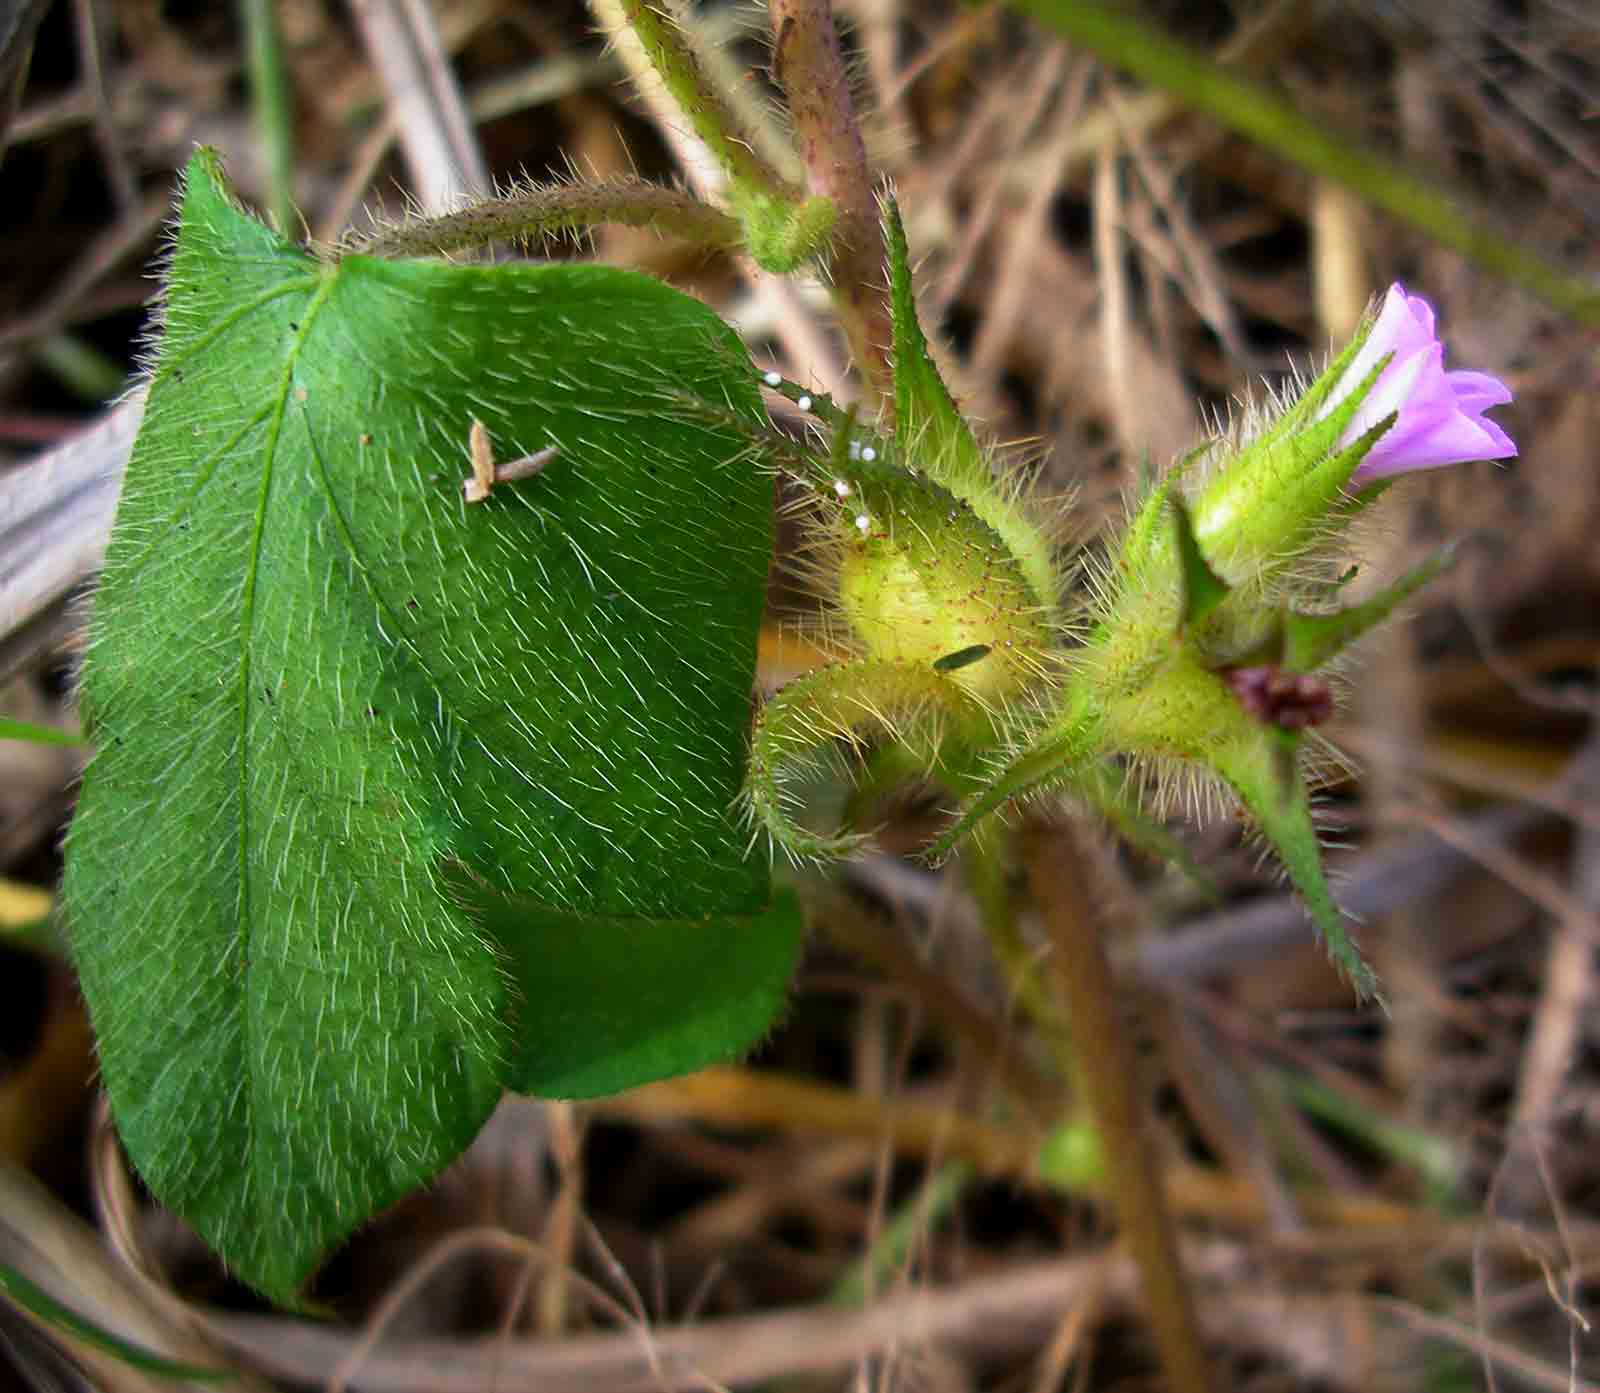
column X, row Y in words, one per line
column 1187, row 718
column 1273, row 499
column 922, row 577
column 1057, row 759
column 1312, row 640
column 822, row 726
column 932, row 434
column 915, row 575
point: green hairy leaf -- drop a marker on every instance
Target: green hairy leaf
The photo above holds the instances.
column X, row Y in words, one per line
column 401, row 800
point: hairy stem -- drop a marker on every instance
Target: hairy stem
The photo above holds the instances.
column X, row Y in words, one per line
column 272, row 104
column 549, row 210
column 1058, row 874
column 986, row 878
column 810, row 69
column 709, row 115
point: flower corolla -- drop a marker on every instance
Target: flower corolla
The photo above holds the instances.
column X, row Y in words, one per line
column 1439, row 416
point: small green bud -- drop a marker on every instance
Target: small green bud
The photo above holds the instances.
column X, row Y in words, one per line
column 1265, row 506
column 922, row 578
column 1072, row 1158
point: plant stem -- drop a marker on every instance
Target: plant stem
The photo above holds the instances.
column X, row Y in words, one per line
column 1057, row 870
column 547, row 210
column 906, row 1228
column 1242, row 106
column 810, row 68
column 985, row 874
column 709, row 115
column 273, row 108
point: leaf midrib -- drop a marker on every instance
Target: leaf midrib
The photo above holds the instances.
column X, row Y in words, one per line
column 170, row 365
column 247, row 619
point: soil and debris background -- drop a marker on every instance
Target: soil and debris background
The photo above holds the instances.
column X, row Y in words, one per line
column 1370, row 1200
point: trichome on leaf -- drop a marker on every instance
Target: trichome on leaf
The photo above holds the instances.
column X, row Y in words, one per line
column 398, row 802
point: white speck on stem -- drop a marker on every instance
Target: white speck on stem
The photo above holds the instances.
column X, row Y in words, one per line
column 773, row 379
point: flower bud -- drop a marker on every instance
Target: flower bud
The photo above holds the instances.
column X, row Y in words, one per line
column 1385, row 406
column 1438, row 415
column 923, row 580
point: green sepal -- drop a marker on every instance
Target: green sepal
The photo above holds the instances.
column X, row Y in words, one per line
column 933, row 436
column 1146, row 531
column 1055, row 760
column 1311, row 640
column 819, row 725
column 927, row 419
column 1265, row 504
column 1146, row 525
column 922, row 575
column 1260, row 765
column 1186, row 712
column 1203, row 588
column 1309, row 403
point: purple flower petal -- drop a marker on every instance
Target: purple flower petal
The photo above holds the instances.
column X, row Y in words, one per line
column 1439, row 416
column 1477, row 391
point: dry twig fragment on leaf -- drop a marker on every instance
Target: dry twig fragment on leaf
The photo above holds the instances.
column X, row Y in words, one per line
column 486, row 473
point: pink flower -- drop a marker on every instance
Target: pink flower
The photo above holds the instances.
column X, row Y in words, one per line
column 1440, row 414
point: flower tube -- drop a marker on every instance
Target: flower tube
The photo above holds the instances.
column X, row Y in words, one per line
column 1439, row 415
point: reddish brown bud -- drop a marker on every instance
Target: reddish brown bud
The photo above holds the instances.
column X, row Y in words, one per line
column 1288, row 700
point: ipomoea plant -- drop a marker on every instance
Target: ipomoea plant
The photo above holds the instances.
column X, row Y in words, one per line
column 1197, row 662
